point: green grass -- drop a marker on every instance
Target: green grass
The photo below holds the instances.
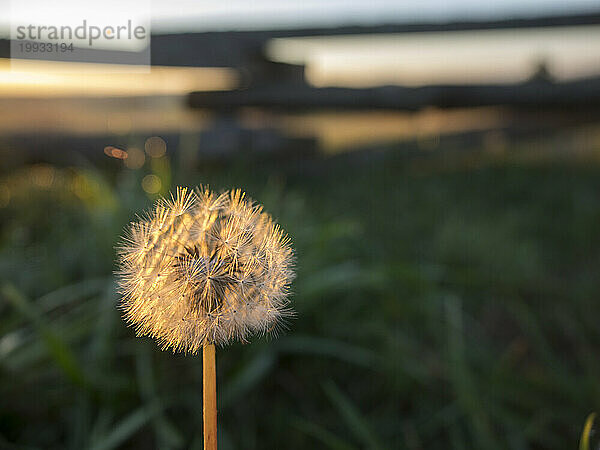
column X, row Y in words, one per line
column 436, row 309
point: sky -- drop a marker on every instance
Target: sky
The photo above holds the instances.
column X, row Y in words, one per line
column 200, row 15
column 197, row 15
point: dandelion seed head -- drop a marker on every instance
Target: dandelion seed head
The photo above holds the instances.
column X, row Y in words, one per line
column 204, row 268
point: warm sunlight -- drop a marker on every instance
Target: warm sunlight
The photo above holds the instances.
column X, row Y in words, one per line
column 480, row 56
column 59, row 79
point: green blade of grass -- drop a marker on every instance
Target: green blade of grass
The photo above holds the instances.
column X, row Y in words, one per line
column 351, row 415
column 71, row 293
column 167, row 434
column 127, row 427
column 322, row 435
column 461, row 378
column 248, row 377
column 101, row 425
column 328, row 347
column 57, row 348
column 101, row 345
column 584, row 443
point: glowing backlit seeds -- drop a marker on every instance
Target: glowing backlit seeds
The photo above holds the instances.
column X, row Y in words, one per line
column 203, row 268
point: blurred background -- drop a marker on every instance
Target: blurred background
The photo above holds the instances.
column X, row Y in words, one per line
column 437, row 166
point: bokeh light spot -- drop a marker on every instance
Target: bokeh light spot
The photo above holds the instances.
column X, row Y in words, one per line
column 42, row 176
column 155, row 147
column 151, row 184
column 114, row 152
column 81, row 187
column 135, row 158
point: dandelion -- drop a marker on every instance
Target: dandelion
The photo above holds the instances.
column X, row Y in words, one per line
column 202, row 269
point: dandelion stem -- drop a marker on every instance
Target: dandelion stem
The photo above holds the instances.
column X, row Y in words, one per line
column 209, row 397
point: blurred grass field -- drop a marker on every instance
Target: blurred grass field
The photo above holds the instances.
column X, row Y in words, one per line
column 436, row 309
